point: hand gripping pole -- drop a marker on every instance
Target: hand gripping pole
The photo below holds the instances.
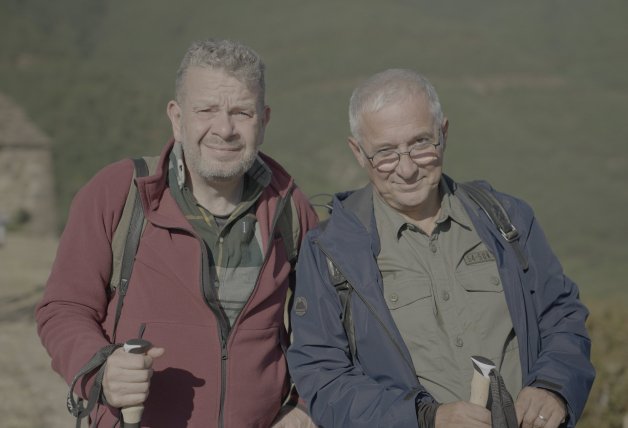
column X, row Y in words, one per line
column 132, row 415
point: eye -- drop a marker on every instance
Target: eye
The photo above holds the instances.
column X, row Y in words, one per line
column 206, row 110
column 243, row 114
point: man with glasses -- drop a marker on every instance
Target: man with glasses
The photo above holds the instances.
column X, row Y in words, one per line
column 430, row 283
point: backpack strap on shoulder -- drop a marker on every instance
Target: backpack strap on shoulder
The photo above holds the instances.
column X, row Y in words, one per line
column 344, row 291
column 134, row 232
column 497, row 214
column 287, row 224
column 124, row 246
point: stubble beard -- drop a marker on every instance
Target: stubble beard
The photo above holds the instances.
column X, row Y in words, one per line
column 211, row 169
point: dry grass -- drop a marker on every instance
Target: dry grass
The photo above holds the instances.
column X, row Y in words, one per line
column 33, row 396
column 608, row 403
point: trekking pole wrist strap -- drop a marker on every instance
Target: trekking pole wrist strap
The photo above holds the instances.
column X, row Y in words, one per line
column 76, row 407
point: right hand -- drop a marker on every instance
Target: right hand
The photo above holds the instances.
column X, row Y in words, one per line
column 462, row 414
column 127, row 377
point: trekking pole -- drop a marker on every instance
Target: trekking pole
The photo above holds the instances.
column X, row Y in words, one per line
column 132, row 415
column 480, row 381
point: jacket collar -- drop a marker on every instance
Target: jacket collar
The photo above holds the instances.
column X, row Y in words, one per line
column 161, row 208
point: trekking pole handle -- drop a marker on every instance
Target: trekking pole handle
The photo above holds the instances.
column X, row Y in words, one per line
column 480, row 382
column 132, row 415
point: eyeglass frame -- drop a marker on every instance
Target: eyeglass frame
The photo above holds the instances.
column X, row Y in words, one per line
column 370, row 158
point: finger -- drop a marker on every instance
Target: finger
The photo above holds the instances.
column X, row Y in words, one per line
column 133, row 376
column 125, row 360
column 521, row 408
column 540, row 421
column 120, row 394
column 552, row 413
column 531, row 418
column 127, row 400
column 155, row 352
column 151, row 355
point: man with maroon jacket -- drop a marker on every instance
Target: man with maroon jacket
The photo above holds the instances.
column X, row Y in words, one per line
column 211, row 273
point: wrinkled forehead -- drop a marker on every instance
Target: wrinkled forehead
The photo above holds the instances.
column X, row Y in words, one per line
column 214, row 77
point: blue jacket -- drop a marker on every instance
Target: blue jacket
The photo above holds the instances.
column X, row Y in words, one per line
column 380, row 388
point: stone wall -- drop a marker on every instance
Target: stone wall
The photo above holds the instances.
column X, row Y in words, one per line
column 27, row 199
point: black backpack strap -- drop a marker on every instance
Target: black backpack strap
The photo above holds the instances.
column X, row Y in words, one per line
column 344, row 291
column 131, row 244
column 495, row 211
column 500, row 403
column 76, row 407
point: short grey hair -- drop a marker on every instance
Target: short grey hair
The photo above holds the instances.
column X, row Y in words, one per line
column 386, row 87
column 230, row 56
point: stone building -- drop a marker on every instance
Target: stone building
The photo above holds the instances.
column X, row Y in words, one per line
column 27, row 201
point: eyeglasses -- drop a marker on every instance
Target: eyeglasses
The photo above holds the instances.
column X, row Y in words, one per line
column 421, row 153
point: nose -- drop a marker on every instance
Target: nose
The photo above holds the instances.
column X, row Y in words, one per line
column 222, row 126
column 406, row 167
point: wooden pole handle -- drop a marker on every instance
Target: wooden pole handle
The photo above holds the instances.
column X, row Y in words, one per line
column 479, row 389
column 480, row 382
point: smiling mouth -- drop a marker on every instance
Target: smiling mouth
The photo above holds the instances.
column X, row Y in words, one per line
column 407, row 184
column 223, row 148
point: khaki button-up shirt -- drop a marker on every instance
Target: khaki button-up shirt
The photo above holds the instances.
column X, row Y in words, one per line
column 446, row 297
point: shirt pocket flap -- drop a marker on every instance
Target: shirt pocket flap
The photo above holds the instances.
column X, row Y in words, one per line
column 480, row 280
column 407, row 291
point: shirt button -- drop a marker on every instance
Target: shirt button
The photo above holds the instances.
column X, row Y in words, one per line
column 459, row 342
column 445, row 296
column 495, row 280
column 394, row 298
column 433, row 247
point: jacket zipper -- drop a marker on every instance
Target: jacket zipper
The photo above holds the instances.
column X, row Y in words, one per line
column 223, row 325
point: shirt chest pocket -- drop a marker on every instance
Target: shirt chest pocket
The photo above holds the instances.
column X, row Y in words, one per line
column 406, row 291
column 480, row 278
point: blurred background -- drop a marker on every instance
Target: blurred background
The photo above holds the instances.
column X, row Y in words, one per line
column 536, row 94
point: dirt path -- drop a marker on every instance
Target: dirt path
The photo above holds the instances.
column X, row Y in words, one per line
column 33, row 396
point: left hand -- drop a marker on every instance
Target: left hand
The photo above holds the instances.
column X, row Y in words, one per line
column 539, row 408
column 293, row 417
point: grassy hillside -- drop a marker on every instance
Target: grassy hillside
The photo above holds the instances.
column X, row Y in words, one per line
column 536, row 94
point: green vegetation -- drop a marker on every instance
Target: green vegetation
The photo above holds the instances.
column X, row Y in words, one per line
column 536, row 93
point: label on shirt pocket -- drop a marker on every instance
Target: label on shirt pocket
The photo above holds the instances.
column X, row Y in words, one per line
column 478, row 256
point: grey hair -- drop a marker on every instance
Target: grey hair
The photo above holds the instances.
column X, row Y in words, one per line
column 230, row 56
column 390, row 86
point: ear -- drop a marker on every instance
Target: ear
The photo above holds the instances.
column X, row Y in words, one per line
column 173, row 110
column 265, row 116
column 444, row 129
column 357, row 152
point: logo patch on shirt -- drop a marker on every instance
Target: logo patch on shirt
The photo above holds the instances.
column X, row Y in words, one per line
column 476, row 257
column 300, row 306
